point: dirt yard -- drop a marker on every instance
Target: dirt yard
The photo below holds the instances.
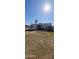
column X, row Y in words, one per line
column 39, row 45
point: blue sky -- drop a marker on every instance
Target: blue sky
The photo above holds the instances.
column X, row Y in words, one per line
column 34, row 10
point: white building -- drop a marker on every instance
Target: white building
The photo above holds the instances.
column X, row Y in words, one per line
column 45, row 25
column 40, row 26
column 33, row 27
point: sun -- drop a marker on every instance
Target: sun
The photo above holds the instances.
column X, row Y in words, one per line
column 46, row 7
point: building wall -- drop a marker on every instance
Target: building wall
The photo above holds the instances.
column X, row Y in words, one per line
column 41, row 26
column 33, row 27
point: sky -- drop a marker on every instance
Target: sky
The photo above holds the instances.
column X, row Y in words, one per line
column 34, row 9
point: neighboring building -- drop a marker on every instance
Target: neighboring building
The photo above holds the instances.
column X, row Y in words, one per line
column 33, row 27
column 26, row 27
column 45, row 25
column 41, row 26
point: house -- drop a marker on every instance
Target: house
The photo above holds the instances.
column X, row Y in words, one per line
column 46, row 26
column 33, row 27
column 26, row 27
column 42, row 26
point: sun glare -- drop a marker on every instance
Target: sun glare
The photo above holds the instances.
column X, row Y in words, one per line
column 46, row 8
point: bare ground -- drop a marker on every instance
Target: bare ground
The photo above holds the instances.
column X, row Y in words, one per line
column 39, row 45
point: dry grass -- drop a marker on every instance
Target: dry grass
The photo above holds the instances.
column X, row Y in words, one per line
column 39, row 45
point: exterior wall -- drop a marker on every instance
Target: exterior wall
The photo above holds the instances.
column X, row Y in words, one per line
column 26, row 27
column 45, row 26
column 41, row 26
column 33, row 27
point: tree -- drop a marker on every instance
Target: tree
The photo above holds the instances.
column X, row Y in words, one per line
column 36, row 21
